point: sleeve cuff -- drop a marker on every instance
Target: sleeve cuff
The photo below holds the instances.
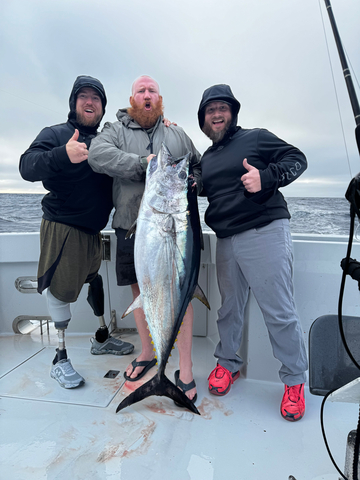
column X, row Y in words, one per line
column 144, row 162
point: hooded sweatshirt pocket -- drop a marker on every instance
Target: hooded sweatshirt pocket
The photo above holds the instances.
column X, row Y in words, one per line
column 230, row 210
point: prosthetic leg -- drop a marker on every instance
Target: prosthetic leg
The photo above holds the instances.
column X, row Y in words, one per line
column 61, row 350
column 104, row 343
column 61, row 369
column 95, row 299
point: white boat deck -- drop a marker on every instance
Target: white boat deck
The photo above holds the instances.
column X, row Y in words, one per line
column 49, row 433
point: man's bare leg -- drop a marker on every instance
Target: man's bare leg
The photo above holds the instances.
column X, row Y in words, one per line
column 184, row 344
column 147, row 353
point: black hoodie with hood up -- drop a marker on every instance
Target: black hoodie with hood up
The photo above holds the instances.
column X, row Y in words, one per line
column 77, row 196
column 231, row 208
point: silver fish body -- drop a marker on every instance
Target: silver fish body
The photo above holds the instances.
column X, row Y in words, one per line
column 167, row 262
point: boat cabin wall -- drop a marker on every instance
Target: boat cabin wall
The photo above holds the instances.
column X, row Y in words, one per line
column 317, row 277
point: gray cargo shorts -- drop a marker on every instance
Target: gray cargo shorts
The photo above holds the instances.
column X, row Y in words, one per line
column 68, row 259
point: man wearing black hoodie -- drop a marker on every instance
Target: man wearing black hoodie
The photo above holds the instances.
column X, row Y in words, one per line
column 75, row 210
column 242, row 172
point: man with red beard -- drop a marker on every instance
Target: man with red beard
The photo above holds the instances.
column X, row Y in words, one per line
column 123, row 150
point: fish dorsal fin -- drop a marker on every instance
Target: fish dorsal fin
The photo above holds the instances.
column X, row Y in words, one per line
column 200, row 295
column 137, row 303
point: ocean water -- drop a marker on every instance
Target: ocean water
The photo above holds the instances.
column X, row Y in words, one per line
column 22, row 213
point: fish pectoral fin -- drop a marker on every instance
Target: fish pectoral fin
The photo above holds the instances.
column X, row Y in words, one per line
column 131, row 230
column 137, row 303
column 200, row 295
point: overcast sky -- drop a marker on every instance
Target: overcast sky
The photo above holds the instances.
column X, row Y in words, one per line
column 273, row 54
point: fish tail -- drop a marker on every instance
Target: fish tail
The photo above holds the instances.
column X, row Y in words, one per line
column 159, row 385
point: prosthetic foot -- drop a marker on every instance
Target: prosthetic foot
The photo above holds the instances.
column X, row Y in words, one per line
column 61, row 369
column 103, row 343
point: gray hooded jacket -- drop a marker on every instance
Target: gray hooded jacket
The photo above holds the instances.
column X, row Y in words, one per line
column 120, row 151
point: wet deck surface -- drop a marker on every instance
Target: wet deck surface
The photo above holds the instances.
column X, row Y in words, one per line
column 49, row 433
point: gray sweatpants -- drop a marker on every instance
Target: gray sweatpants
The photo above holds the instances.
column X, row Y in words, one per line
column 260, row 259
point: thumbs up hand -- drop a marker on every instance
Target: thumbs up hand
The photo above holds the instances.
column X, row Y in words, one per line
column 77, row 152
column 251, row 180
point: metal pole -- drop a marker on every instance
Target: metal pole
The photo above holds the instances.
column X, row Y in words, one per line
column 346, row 71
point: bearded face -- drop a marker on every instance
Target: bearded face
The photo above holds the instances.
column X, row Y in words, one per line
column 217, row 120
column 89, row 110
column 146, row 112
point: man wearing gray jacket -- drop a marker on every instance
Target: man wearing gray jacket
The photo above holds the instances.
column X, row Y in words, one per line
column 122, row 150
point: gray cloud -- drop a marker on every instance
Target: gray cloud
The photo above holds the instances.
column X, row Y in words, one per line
column 273, row 54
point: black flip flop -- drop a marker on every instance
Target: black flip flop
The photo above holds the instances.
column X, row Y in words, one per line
column 185, row 387
column 146, row 363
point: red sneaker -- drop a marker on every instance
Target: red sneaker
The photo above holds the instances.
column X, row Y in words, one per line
column 293, row 403
column 221, row 379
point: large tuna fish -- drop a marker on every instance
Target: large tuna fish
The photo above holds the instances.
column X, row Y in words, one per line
column 167, row 260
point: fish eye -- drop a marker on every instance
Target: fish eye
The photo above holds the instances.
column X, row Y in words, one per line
column 182, row 175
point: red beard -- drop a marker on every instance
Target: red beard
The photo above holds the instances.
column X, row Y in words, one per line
column 144, row 118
